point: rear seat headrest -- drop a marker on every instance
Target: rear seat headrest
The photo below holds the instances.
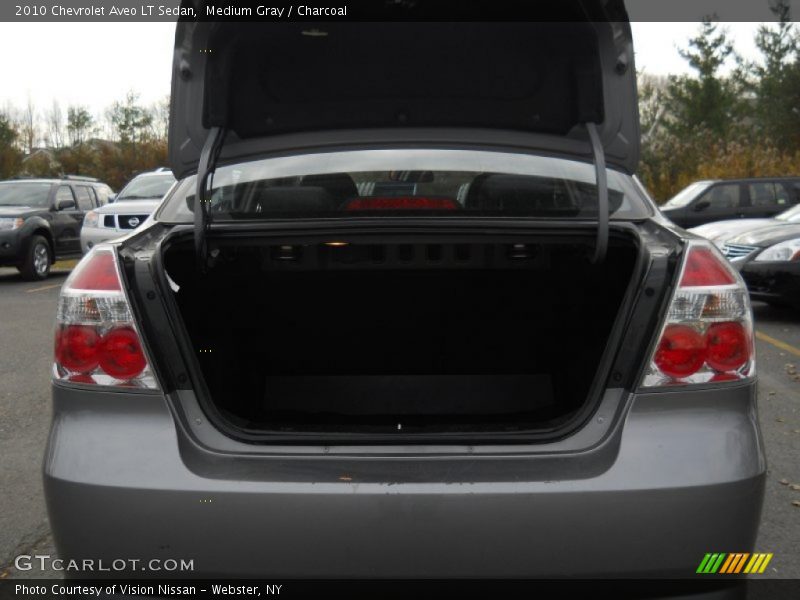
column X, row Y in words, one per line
column 494, row 191
column 294, row 198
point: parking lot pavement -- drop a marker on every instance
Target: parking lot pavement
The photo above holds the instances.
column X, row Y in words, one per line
column 27, row 311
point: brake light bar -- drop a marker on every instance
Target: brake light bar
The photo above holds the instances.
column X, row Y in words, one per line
column 401, row 203
column 96, row 339
column 707, row 336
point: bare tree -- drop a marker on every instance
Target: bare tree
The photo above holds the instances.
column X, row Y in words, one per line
column 29, row 128
column 160, row 114
column 55, row 126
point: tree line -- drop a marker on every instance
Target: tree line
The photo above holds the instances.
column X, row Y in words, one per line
column 728, row 118
column 125, row 139
column 718, row 122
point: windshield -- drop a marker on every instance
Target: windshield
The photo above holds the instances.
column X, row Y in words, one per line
column 394, row 182
column 791, row 216
column 687, row 194
column 147, row 187
column 35, row 195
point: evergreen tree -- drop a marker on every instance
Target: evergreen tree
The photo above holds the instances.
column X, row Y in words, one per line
column 777, row 81
column 707, row 101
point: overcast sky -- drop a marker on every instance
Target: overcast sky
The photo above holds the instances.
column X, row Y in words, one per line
column 46, row 60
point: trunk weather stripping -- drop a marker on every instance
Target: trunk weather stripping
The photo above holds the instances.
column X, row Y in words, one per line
column 601, row 245
column 205, row 177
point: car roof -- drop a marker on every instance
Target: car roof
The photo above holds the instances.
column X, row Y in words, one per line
column 746, row 179
column 158, row 172
column 51, row 180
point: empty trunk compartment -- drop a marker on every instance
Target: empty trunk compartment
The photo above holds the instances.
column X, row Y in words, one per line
column 401, row 336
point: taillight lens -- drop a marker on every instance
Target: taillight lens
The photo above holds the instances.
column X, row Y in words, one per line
column 707, row 336
column 96, row 339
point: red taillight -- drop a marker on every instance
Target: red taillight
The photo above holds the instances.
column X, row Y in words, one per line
column 707, row 334
column 77, row 348
column 401, row 203
column 100, row 273
column 728, row 346
column 703, row 269
column 681, row 352
column 96, row 338
column 121, row 355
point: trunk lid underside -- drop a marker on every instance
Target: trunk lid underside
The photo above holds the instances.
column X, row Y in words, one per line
column 269, row 85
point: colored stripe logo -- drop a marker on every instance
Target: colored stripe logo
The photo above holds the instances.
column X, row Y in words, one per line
column 733, row 563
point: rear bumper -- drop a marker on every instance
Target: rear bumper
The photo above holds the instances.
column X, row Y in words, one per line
column 684, row 476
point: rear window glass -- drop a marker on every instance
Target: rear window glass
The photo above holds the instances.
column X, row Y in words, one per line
column 399, row 182
column 25, row 194
column 723, row 196
column 686, row 195
column 147, row 187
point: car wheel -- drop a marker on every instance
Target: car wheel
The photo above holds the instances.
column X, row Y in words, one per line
column 37, row 260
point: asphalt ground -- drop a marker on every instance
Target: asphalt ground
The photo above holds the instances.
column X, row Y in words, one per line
column 27, row 312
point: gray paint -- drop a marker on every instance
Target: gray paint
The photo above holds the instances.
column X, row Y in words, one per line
column 684, row 476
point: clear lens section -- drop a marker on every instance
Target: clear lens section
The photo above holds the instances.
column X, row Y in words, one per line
column 93, row 309
column 7, row 224
column 783, row 252
column 709, row 304
column 90, row 220
column 96, row 340
column 707, row 336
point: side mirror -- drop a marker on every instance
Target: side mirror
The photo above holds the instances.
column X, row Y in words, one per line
column 701, row 206
column 65, row 205
column 111, row 198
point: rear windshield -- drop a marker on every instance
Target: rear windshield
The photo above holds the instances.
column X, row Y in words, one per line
column 687, row 194
column 399, row 182
column 147, row 187
column 35, row 195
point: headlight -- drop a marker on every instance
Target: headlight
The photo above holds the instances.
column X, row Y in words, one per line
column 91, row 219
column 783, row 252
column 9, row 223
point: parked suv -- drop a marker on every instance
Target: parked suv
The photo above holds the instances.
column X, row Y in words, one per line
column 721, row 199
column 130, row 208
column 40, row 220
column 513, row 368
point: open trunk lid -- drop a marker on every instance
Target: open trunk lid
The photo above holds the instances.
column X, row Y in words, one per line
column 286, row 86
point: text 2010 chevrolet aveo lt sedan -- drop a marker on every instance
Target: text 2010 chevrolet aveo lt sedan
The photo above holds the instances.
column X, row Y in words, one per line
column 406, row 322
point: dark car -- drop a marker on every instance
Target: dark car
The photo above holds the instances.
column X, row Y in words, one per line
column 40, row 220
column 514, row 367
column 717, row 200
column 769, row 261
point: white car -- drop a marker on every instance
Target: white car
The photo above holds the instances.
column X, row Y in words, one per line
column 129, row 209
column 720, row 232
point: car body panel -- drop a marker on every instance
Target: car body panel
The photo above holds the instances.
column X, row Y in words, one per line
column 768, row 236
column 684, row 474
column 774, row 282
column 721, row 231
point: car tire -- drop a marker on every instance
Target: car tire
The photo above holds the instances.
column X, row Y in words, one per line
column 38, row 261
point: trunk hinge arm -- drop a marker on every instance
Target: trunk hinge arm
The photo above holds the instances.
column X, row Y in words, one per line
column 601, row 246
column 205, row 176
